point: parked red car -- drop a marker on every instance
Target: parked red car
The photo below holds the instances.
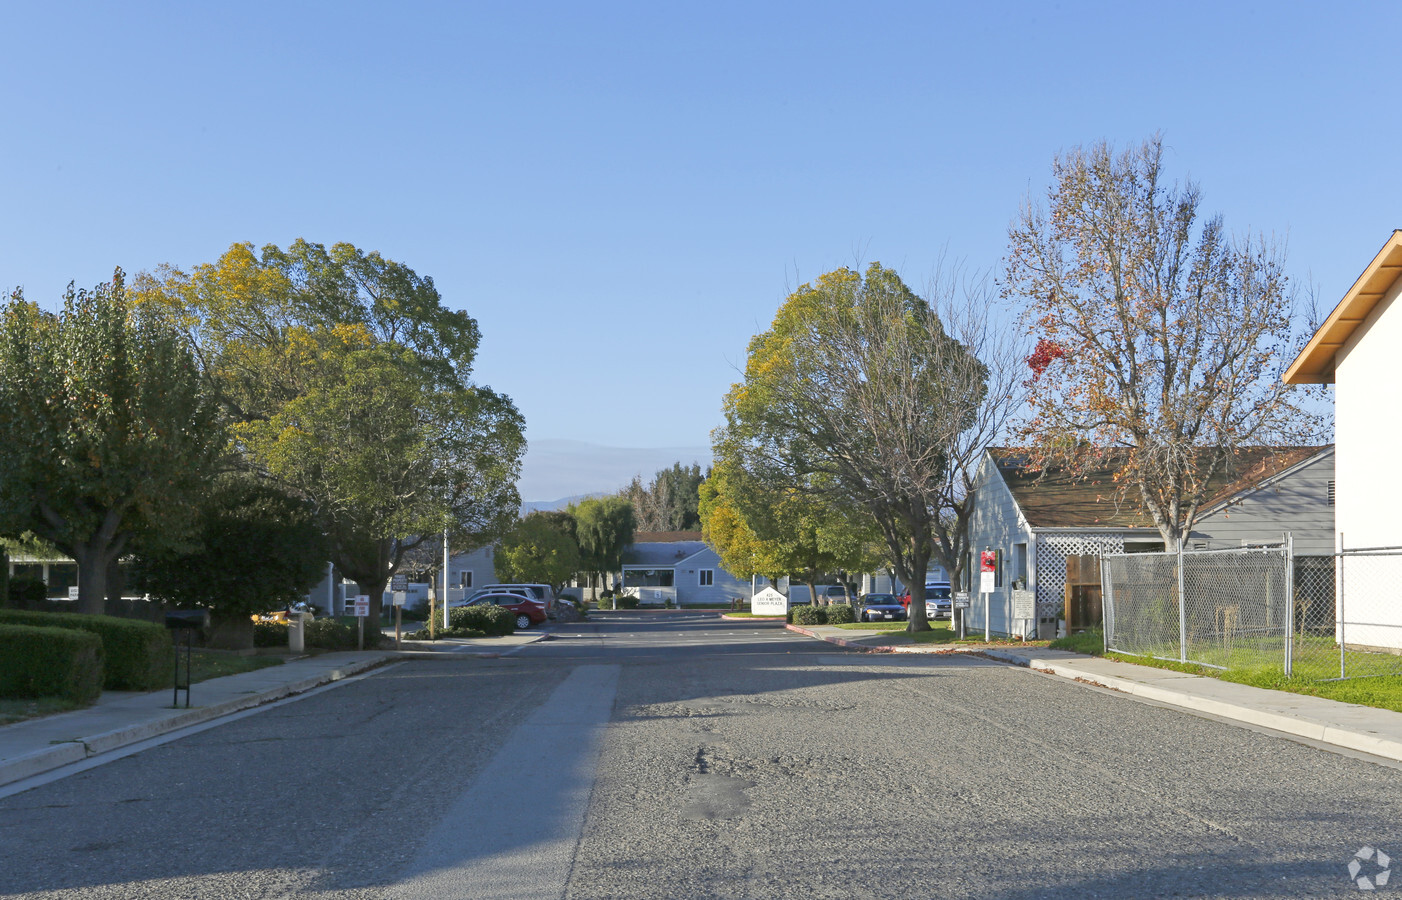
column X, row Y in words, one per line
column 528, row 611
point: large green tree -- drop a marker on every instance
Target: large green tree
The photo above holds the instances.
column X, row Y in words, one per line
column 350, row 381
column 778, row 530
column 107, row 431
column 855, row 394
column 540, row 549
column 1161, row 338
column 604, row 527
column 257, row 549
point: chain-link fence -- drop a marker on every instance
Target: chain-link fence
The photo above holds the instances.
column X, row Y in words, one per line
column 1259, row 608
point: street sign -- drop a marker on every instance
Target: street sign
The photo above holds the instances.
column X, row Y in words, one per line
column 399, row 583
column 362, row 605
column 987, row 571
column 399, row 598
column 961, row 599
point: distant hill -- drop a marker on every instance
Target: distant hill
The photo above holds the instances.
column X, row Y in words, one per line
column 530, row 506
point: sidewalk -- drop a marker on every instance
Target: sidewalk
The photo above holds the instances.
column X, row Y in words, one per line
column 118, row 719
column 1362, row 728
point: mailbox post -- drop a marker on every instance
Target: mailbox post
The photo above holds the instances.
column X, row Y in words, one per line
column 184, row 623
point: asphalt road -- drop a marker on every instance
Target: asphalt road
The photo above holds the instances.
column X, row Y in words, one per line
column 677, row 755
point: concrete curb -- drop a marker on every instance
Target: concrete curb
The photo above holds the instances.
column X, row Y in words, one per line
column 1348, row 725
column 43, row 760
column 1273, row 711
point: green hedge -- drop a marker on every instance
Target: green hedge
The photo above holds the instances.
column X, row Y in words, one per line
column 809, row 615
column 840, row 614
column 136, row 655
column 328, row 634
column 50, row 662
column 486, row 619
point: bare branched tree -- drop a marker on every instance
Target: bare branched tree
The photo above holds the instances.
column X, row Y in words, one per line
column 1160, row 338
column 966, row 305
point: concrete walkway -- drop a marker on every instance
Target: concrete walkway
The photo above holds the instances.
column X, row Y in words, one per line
column 1362, row 728
column 118, row 718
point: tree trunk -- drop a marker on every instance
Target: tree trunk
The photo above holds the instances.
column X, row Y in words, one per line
column 92, row 578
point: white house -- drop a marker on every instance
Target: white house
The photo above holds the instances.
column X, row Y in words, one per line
column 1358, row 350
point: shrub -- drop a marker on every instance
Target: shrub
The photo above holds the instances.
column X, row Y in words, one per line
column 423, row 634
column 136, row 655
column 625, row 601
column 50, row 662
column 269, row 634
column 840, row 614
column 809, row 615
column 26, row 593
column 486, row 619
column 328, row 634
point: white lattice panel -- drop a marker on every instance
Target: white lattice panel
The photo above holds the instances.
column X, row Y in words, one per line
column 1052, row 550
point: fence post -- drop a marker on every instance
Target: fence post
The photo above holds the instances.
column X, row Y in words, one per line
column 1182, row 610
column 1339, row 614
column 1107, row 603
column 1289, row 603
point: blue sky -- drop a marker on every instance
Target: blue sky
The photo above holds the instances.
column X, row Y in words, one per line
column 622, row 194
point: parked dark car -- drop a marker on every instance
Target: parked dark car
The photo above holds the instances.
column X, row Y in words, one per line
column 528, row 611
column 880, row 608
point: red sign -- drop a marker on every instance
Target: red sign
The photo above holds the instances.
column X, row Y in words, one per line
column 988, row 561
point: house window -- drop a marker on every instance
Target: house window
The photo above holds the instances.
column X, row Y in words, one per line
column 465, row 579
column 706, row 577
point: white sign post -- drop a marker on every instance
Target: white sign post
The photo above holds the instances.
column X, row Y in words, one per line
column 362, row 610
column 398, row 584
column 1025, row 608
column 987, row 583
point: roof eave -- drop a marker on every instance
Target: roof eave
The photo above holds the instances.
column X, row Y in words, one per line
column 1315, row 363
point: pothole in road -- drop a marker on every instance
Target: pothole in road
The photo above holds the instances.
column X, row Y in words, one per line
column 673, row 711
column 710, row 796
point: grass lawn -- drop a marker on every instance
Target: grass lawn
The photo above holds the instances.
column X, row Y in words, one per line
column 13, row 710
column 941, row 632
column 205, row 665
column 1260, row 667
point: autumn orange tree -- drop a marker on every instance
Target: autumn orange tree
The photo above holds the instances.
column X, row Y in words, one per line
column 1160, row 337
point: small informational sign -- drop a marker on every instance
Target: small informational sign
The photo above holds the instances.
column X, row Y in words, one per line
column 961, row 599
column 657, row 595
column 398, row 598
column 399, row 583
column 769, row 602
column 1024, row 604
column 362, row 605
column 73, row 594
column 987, row 571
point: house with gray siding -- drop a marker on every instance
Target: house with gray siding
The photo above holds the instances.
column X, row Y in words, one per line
column 677, row 567
column 1034, row 519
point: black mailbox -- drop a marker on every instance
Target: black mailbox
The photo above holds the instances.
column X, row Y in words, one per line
column 188, row 618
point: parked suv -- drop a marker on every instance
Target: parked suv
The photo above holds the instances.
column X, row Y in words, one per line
column 938, row 600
